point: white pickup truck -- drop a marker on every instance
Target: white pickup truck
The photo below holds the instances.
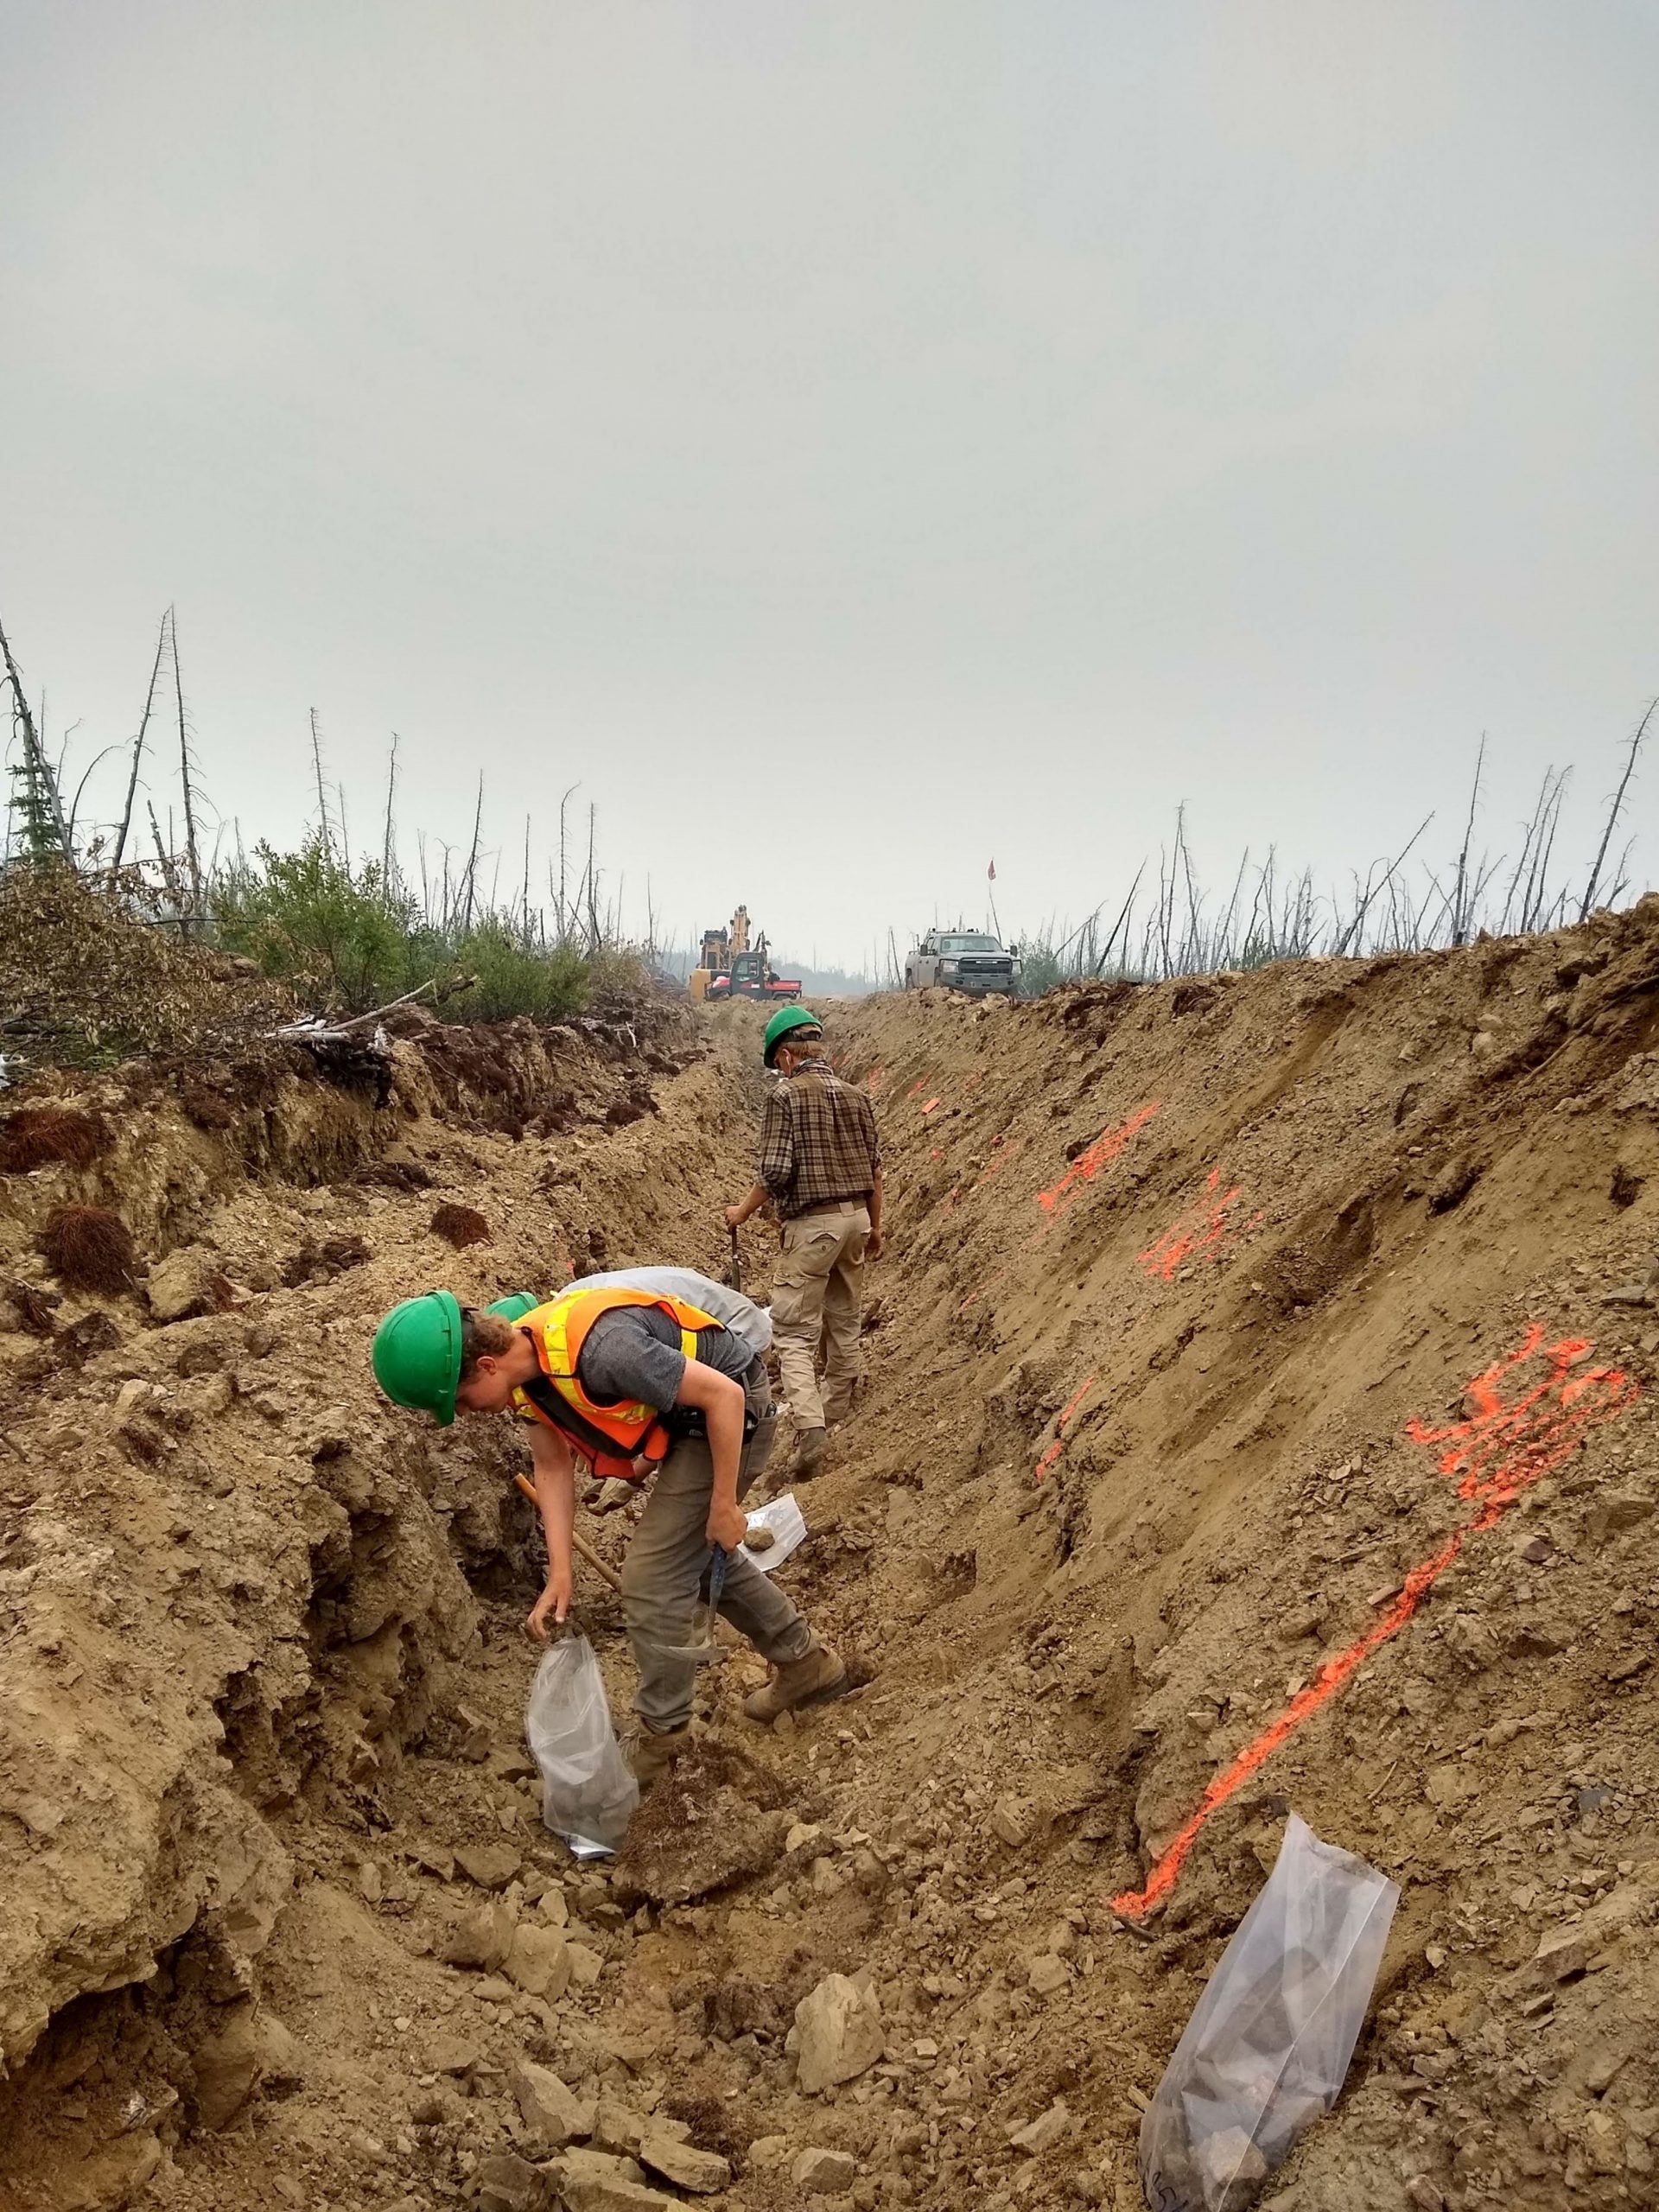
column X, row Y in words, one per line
column 963, row 960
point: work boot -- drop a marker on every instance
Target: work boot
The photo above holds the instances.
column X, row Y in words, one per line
column 819, row 1673
column 650, row 1752
column 810, row 1444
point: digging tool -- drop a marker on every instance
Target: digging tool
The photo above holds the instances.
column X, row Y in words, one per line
column 578, row 1544
column 735, row 1273
column 704, row 1652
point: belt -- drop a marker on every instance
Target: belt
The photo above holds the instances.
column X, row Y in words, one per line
column 830, row 1205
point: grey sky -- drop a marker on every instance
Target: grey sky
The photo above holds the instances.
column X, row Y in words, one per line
column 855, row 440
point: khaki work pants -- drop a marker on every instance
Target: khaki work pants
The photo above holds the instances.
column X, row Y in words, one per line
column 666, row 1572
column 815, row 1306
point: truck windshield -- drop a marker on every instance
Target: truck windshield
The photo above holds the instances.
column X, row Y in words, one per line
column 969, row 944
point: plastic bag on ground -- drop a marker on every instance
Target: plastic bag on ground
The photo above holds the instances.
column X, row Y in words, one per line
column 1267, row 2046
column 587, row 1792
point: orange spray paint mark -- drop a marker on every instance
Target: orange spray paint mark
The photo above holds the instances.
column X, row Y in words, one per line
column 1197, row 1236
column 984, row 1290
column 931, row 1104
column 875, row 1081
column 1497, row 1452
column 1087, row 1165
column 936, row 1152
column 916, row 1086
column 997, row 1165
column 1067, row 1413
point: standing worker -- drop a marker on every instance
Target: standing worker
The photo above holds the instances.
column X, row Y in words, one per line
column 820, row 1170
column 651, row 1371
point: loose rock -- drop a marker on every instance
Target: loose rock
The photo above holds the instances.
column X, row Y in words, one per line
column 822, row 2173
column 552, row 2113
column 839, row 2027
column 701, row 2172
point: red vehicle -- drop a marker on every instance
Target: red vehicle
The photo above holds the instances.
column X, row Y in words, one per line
column 752, row 975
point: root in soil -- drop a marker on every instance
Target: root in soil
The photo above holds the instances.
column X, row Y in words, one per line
column 41, row 1136
column 89, row 1248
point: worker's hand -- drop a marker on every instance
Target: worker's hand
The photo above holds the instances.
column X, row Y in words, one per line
column 735, row 1217
column 554, row 1599
column 872, row 1245
column 728, row 1524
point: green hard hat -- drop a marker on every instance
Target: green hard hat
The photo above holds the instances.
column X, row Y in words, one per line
column 516, row 1307
column 785, row 1019
column 417, row 1354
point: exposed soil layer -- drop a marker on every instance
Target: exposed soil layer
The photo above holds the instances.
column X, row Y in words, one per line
column 1259, row 1415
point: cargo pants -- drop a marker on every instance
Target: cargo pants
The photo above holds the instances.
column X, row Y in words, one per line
column 816, row 1298
column 666, row 1572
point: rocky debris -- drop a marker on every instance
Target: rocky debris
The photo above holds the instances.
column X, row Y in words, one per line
column 552, row 2112
column 1047, row 1974
column 492, row 1865
column 482, row 1937
column 1012, row 1821
column 838, row 2033
column 702, row 2173
column 227, row 2066
column 821, row 2172
column 1042, row 2133
column 589, row 2181
column 449, row 2054
column 506, row 2183
column 182, row 1285
column 540, row 1961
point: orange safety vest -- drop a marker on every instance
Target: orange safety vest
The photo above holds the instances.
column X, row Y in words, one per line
column 609, row 1438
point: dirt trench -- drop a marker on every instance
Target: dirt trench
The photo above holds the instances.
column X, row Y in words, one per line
column 1214, row 1314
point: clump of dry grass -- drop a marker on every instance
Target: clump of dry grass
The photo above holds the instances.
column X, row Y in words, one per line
column 89, row 1248
column 38, row 1136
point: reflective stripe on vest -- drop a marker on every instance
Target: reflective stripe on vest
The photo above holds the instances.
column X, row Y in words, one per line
column 558, row 1329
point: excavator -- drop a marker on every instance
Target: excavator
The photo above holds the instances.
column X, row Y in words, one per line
column 731, row 968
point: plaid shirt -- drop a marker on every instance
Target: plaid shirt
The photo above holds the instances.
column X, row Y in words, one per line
column 817, row 1142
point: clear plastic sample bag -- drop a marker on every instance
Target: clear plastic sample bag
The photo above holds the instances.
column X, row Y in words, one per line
column 587, row 1792
column 1267, row 2046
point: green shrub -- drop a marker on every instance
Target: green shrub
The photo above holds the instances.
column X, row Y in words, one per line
column 514, row 976
column 308, row 919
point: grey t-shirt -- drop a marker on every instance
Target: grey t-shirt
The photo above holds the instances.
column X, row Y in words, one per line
column 634, row 1352
column 741, row 1315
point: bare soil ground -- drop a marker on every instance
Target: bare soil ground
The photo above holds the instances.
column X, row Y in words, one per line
column 1248, row 1427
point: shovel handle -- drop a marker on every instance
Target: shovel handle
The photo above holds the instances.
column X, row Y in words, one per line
column 579, row 1543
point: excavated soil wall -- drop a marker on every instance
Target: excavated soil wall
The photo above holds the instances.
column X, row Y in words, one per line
column 1259, row 1416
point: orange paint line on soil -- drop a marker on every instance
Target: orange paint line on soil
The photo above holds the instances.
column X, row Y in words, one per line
column 1067, row 1413
column 984, row 1290
column 916, row 1086
column 1104, row 1149
column 875, row 1080
column 1197, row 1236
column 1525, row 1440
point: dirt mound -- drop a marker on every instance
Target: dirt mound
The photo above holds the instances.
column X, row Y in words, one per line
column 1259, row 1413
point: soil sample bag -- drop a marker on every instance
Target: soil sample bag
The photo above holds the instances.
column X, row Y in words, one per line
column 1269, row 2041
column 588, row 1793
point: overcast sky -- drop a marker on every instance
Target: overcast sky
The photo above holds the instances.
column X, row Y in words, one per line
column 854, row 440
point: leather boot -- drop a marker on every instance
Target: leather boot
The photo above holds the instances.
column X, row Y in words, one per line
column 650, row 1753
column 810, row 1447
column 819, row 1673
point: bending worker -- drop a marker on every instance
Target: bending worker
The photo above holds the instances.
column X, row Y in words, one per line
column 655, row 1374
column 821, row 1169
